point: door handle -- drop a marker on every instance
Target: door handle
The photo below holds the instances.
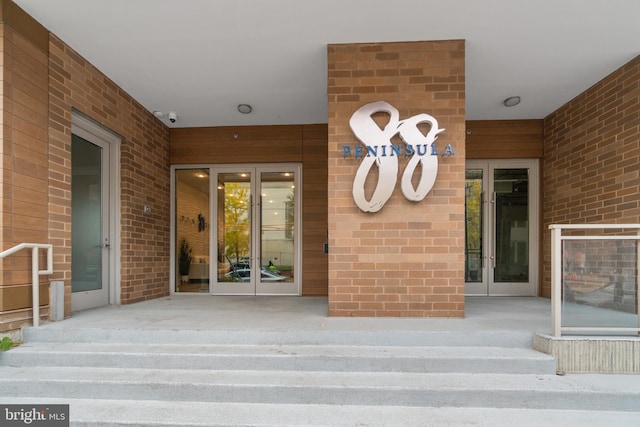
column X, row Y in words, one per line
column 494, row 224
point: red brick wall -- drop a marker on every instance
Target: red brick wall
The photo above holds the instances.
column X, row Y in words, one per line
column 408, row 258
column 144, row 173
column 591, row 170
column 23, row 168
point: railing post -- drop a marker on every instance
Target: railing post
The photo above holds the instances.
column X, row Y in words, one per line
column 49, row 260
column 556, row 281
column 35, row 280
column 35, row 271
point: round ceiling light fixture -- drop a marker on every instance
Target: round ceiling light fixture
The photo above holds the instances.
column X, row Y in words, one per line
column 245, row 108
column 512, row 101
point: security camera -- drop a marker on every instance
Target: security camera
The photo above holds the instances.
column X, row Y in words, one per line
column 173, row 117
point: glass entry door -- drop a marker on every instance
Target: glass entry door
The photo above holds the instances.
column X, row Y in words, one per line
column 501, row 236
column 90, row 225
column 256, row 212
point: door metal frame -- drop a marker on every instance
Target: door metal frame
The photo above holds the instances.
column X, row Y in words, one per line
column 279, row 288
column 488, row 286
column 95, row 133
column 173, row 244
column 252, row 288
column 230, row 288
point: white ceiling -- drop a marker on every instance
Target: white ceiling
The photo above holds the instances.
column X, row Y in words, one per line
column 201, row 58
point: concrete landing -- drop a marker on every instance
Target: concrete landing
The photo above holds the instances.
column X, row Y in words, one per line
column 203, row 312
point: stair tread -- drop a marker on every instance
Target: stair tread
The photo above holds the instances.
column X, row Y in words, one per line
column 283, row 357
column 283, row 350
column 149, row 413
column 622, row 384
column 59, row 333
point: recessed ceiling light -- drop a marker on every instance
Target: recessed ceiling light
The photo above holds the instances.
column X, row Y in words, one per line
column 512, row 101
column 245, row 108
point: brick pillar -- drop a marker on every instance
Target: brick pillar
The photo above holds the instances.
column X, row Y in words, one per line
column 407, row 259
column 23, row 170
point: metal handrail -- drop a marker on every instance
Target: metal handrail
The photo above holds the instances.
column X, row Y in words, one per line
column 556, row 272
column 35, row 272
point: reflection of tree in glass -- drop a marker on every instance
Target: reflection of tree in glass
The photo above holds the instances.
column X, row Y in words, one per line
column 473, row 229
column 290, row 215
column 236, row 218
column 473, row 214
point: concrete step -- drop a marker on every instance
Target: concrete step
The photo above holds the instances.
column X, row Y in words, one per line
column 146, row 376
column 113, row 413
column 324, row 388
column 283, row 357
column 59, row 332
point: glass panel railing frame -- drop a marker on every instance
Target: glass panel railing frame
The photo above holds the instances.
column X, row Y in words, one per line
column 594, row 279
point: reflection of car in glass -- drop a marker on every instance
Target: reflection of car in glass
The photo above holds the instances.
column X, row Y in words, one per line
column 244, row 275
column 242, row 262
column 239, row 265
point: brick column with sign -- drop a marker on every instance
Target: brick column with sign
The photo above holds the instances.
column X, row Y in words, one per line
column 407, row 258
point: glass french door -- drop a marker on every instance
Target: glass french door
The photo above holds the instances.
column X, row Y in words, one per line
column 257, row 215
column 236, row 229
column 501, row 235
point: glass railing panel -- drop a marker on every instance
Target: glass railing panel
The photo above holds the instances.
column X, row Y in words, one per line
column 599, row 284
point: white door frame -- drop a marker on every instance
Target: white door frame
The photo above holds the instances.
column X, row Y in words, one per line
column 235, row 288
column 93, row 132
column 488, row 287
column 256, row 287
column 280, row 288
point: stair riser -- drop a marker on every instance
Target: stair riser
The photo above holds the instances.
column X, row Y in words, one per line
column 325, row 395
column 200, row 337
column 542, row 365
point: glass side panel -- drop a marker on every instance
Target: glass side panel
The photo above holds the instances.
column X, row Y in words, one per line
column 192, row 230
column 234, row 227
column 86, row 216
column 277, row 216
column 473, row 230
column 511, row 187
column 600, row 283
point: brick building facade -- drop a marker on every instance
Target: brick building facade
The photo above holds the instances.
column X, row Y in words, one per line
column 406, row 260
